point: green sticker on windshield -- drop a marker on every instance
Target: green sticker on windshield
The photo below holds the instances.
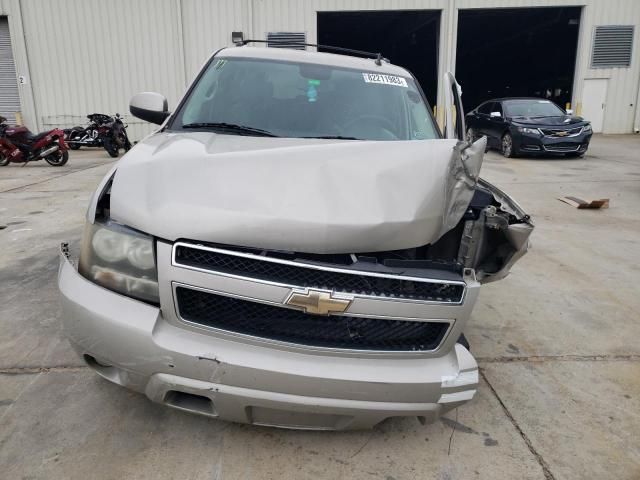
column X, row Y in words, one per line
column 312, row 91
column 219, row 64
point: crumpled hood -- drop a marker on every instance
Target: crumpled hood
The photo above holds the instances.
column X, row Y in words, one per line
column 559, row 121
column 319, row 196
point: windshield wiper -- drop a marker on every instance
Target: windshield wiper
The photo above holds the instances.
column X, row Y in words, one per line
column 231, row 127
column 335, row 137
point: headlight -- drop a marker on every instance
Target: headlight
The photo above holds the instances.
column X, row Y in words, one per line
column 120, row 259
column 587, row 128
column 531, row 131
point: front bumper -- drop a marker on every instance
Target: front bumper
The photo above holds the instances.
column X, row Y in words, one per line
column 136, row 345
column 544, row 144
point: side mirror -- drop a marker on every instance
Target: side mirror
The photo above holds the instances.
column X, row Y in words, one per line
column 150, row 107
column 569, row 112
column 495, row 115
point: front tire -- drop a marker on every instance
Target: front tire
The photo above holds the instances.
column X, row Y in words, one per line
column 57, row 159
column 111, row 147
column 508, row 150
column 73, row 146
column 4, row 160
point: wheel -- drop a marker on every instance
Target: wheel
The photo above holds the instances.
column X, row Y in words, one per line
column 123, row 141
column 127, row 143
column 4, row 160
column 507, row 146
column 472, row 136
column 57, row 159
column 73, row 146
column 111, row 147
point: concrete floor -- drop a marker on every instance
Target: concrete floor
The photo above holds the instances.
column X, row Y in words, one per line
column 557, row 342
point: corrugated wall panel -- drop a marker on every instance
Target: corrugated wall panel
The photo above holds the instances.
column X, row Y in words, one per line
column 292, row 15
column 622, row 93
column 86, row 55
column 11, row 8
column 208, row 26
column 9, row 98
column 91, row 56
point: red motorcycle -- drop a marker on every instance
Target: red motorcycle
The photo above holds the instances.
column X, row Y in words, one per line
column 19, row 145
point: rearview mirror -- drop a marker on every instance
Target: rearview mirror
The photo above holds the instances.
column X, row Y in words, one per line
column 495, row 115
column 150, row 107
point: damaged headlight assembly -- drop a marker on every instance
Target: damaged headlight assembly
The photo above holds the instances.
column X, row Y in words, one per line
column 530, row 131
column 120, row 259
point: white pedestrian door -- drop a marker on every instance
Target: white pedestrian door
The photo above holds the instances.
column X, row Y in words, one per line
column 9, row 97
column 594, row 96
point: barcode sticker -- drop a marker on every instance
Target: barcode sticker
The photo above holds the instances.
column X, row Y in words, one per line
column 384, row 79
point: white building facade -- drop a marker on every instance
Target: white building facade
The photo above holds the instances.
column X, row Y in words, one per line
column 74, row 57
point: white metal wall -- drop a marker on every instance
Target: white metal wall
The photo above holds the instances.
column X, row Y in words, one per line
column 81, row 56
column 9, row 97
column 92, row 56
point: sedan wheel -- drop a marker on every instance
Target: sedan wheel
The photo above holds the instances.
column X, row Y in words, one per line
column 507, row 146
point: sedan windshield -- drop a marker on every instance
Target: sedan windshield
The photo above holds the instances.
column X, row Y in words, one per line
column 532, row 108
column 286, row 99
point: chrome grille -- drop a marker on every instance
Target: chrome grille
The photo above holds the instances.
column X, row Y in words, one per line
column 291, row 326
column 563, row 147
column 304, row 275
column 561, row 132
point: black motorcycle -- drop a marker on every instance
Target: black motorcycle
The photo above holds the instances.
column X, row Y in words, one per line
column 101, row 131
column 114, row 136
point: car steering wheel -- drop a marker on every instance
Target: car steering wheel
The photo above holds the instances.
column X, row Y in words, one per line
column 381, row 121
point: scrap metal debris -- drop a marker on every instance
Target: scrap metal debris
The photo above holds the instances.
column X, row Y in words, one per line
column 582, row 204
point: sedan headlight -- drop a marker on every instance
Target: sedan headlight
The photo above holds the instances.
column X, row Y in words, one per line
column 120, row 259
column 587, row 128
column 530, row 131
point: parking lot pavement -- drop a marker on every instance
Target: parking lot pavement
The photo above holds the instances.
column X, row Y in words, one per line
column 556, row 340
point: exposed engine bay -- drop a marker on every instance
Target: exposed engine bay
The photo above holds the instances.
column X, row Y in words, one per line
column 492, row 234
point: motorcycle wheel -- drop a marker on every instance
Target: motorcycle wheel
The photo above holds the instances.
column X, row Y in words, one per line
column 73, row 146
column 111, row 147
column 4, row 160
column 127, row 145
column 57, row 159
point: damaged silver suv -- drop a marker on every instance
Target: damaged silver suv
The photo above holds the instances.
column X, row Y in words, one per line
column 296, row 246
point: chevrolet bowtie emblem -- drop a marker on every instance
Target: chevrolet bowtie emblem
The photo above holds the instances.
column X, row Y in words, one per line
column 319, row 302
column 562, row 134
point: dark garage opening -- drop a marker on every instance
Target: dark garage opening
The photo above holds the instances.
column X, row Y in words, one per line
column 517, row 52
column 408, row 38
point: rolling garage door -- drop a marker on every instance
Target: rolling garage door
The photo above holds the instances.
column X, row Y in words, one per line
column 9, row 98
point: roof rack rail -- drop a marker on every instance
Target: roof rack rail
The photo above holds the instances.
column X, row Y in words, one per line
column 377, row 56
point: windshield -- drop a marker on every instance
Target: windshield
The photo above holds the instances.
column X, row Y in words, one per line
column 532, row 108
column 288, row 99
